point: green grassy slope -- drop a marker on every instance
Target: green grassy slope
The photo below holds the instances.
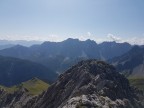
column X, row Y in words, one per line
column 137, row 82
column 34, row 86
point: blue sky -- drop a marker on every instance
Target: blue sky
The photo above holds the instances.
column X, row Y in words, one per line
column 56, row 20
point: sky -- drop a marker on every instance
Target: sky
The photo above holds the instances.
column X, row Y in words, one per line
column 57, row 20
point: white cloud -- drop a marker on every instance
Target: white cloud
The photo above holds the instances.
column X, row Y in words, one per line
column 89, row 33
column 131, row 40
column 85, row 36
column 135, row 41
column 55, row 38
column 113, row 38
column 51, row 37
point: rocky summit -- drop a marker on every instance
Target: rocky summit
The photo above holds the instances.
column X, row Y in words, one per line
column 89, row 84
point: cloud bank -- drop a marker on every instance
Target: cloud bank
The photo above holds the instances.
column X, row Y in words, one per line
column 88, row 35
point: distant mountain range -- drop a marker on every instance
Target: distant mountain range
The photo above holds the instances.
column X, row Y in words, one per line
column 20, row 42
column 131, row 63
column 14, row 71
column 59, row 56
column 6, row 46
column 110, row 50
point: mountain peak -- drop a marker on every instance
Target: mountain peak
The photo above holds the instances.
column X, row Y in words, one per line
column 71, row 40
column 90, row 41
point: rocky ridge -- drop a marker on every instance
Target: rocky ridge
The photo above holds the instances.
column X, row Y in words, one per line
column 89, row 84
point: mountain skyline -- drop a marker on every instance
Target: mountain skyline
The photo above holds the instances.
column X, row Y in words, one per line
column 28, row 43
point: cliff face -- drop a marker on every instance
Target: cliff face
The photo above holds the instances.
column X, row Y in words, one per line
column 89, row 84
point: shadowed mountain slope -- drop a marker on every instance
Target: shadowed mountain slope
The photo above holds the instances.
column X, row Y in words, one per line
column 14, row 71
column 131, row 63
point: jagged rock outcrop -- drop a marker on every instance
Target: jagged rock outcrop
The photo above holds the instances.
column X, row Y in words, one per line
column 89, row 84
